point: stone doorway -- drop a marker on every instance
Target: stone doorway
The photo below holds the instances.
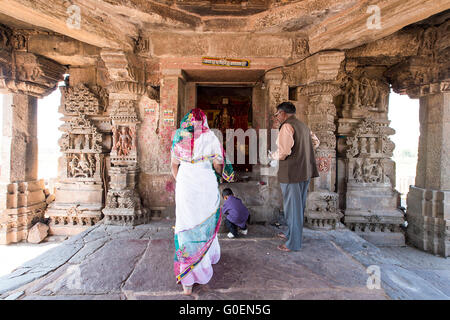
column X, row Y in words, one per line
column 229, row 107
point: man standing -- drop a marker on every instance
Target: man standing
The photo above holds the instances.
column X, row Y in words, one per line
column 297, row 165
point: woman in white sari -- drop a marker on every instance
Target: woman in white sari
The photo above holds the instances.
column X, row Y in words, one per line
column 197, row 165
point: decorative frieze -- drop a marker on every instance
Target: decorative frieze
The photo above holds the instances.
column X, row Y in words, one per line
column 363, row 94
column 81, row 100
column 429, row 71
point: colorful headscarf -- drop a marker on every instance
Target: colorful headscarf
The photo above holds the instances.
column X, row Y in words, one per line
column 192, row 126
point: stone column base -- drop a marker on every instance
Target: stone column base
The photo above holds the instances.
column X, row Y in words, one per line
column 321, row 211
column 372, row 213
column 381, row 228
column 24, row 202
column 126, row 210
column 428, row 217
column 77, row 207
column 71, row 220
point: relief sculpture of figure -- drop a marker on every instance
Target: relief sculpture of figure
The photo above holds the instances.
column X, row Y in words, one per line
column 367, row 169
column 379, row 171
column 363, row 145
column 73, row 164
column 357, row 172
column 123, row 141
column 83, row 165
column 86, row 141
column 223, row 121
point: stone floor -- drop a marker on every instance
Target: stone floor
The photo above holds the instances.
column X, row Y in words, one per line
column 109, row 262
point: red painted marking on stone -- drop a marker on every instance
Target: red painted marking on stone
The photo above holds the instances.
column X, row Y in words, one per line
column 170, row 187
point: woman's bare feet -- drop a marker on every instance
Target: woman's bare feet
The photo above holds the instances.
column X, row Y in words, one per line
column 187, row 290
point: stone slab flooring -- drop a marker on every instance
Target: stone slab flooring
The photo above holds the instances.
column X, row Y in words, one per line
column 110, row 262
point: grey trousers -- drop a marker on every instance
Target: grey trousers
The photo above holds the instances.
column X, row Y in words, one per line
column 294, row 202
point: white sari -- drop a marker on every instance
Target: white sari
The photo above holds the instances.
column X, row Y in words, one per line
column 197, row 199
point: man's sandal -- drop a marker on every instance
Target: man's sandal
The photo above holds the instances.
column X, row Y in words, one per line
column 282, row 247
column 281, row 235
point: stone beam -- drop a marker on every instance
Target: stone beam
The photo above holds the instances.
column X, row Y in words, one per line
column 62, row 49
column 98, row 28
column 297, row 16
column 349, row 28
column 428, row 72
column 152, row 12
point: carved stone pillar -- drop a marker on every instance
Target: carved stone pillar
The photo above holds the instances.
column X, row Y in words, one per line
column 322, row 205
column 366, row 177
column 23, row 78
column 22, row 195
column 427, row 76
column 274, row 91
column 371, row 202
column 123, row 203
column 428, row 201
column 79, row 192
column 172, row 100
column 319, row 90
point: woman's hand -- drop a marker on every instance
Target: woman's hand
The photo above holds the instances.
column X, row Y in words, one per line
column 218, row 166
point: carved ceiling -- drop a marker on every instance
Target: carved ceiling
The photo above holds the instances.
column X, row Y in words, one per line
column 116, row 24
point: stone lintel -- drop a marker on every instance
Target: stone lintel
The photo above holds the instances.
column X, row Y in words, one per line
column 323, row 66
column 174, row 73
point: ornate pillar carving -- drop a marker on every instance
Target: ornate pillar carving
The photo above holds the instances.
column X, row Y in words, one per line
column 319, row 89
column 322, row 205
column 427, row 77
column 128, row 74
column 79, row 192
column 123, row 203
column 24, row 77
column 366, row 177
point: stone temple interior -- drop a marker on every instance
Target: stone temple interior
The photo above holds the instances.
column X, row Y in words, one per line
column 133, row 68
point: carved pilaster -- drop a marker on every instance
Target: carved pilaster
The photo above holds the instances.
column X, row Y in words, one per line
column 123, row 204
column 322, row 205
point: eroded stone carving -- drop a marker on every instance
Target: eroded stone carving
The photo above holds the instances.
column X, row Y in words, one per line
column 80, row 100
column 371, row 201
column 365, row 94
